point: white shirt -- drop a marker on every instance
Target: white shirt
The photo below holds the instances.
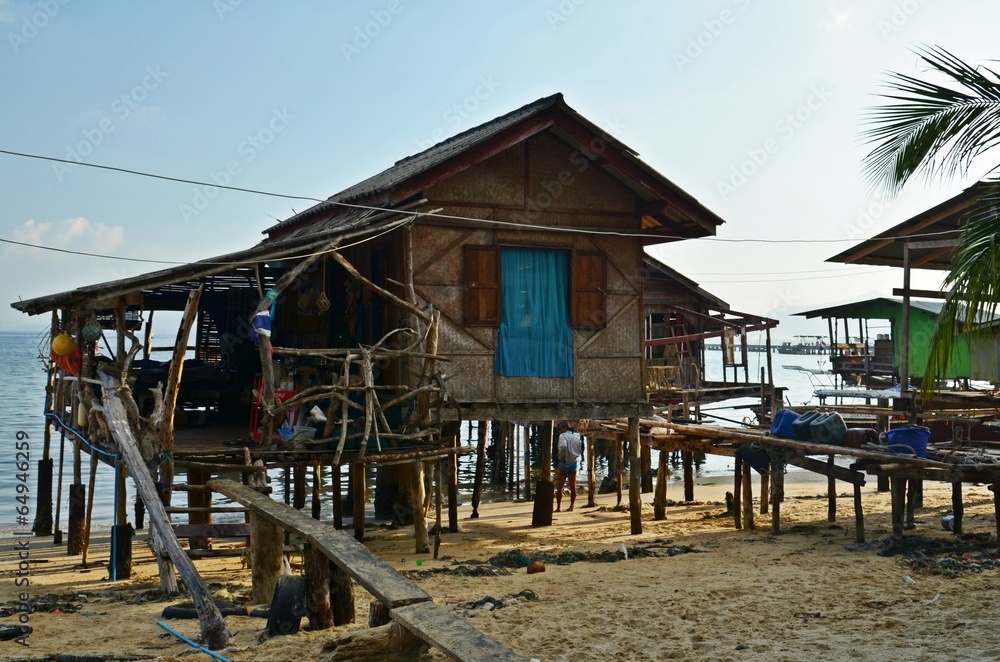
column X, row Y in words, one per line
column 570, row 447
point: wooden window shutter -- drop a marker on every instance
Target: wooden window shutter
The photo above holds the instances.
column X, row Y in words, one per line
column 590, row 284
column 482, row 285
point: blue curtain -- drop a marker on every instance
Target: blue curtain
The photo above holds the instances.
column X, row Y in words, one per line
column 535, row 335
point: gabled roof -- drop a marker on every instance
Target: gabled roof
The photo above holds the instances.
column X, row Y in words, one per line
column 669, row 211
column 943, row 221
column 659, row 273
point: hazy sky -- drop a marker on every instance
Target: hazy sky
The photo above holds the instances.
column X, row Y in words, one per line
column 752, row 106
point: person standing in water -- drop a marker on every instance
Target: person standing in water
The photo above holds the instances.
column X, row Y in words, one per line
column 570, row 447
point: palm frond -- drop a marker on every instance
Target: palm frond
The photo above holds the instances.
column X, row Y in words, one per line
column 932, row 128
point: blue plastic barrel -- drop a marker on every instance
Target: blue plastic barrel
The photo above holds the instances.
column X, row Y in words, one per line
column 914, row 436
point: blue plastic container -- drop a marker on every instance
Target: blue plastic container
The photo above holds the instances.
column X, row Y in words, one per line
column 914, row 436
column 803, row 432
column 782, row 424
column 828, row 429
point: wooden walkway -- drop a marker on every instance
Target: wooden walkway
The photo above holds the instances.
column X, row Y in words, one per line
column 408, row 604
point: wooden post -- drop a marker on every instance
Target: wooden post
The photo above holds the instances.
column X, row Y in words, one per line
column 317, row 506
column 477, row 487
column 299, row 486
column 541, row 514
column 911, row 484
column 526, row 435
column 777, row 493
column 591, row 473
column 747, row 497
column 883, row 425
column 635, row 468
column 957, row 507
column 90, row 506
column 439, row 475
column 646, row 462
column 451, row 464
column 199, row 499
column 619, row 466
column 898, row 487
column 831, row 491
column 341, row 596
column 166, row 432
column 317, row 572
column 338, row 497
column 859, row 516
column 42, row 525
column 765, row 496
column 660, row 499
column 359, row 498
column 266, row 551
column 687, row 459
column 77, row 515
column 738, row 494
column 421, row 541
column 121, row 532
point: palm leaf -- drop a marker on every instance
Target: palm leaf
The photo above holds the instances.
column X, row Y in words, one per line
column 932, row 128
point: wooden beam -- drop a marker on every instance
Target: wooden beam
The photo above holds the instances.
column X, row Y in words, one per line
column 455, row 637
column 214, row 630
column 375, row 575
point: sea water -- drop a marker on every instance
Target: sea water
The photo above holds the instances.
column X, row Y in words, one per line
column 22, row 403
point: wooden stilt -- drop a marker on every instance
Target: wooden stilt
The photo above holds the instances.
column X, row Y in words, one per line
column 266, row 551
column 646, row 462
column 541, row 514
column 439, row 477
column 957, row 508
column 738, row 495
column 765, row 495
column 317, row 489
column 526, row 435
column 831, row 492
column 201, row 499
column 591, row 473
column 299, row 486
column 338, row 496
column 747, row 498
column 635, row 482
column 317, row 572
column 912, row 487
column 122, row 533
column 359, row 498
column 619, row 466
column 477, row 487
column 777, row 473
column 341, row 596
column 421, row 542
column 898, row 488
column 687, row 459
column 451, row 465
column 90, row 506
column 660, row 499
column 77, row 516
column 859, row 515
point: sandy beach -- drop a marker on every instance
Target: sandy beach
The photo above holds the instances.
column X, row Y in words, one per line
column 694, row 588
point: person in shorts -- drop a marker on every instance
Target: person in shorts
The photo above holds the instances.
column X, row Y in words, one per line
column 569, row 450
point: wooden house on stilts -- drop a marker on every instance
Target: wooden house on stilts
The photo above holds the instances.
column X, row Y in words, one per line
column 497, row 276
